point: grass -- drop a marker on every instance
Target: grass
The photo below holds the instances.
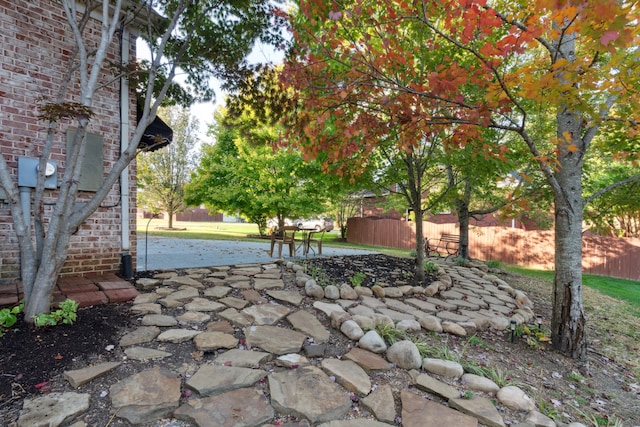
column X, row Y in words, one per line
column 622, row 289
column 612, row 307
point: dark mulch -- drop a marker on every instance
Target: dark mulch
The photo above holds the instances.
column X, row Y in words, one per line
column 30, row 356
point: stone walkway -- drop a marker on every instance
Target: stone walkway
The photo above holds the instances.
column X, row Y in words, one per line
column 270, row 327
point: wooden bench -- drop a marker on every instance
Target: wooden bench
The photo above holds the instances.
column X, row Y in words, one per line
column 447, row 245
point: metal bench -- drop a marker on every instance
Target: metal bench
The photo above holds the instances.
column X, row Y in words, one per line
column 447, row 245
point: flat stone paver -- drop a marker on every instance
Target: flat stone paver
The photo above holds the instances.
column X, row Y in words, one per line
column 266, row 314
column 308, row 324
column 307, row 392
column 419, row 412
column 243, row 407
column 214, row 379
column 275, row 340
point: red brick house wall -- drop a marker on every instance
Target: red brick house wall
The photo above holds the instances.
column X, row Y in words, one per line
column 35, row 44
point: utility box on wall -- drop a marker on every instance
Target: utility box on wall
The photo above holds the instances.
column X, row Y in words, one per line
column 92, row 172
column 28, row 173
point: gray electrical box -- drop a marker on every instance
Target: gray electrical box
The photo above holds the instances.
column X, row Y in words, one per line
column 92, row 172
column 28, row 173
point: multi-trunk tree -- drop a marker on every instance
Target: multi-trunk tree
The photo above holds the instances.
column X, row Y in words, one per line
column 477, row 64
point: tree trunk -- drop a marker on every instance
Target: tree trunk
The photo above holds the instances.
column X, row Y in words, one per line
column 463, row 217
column 170, row 219
column 419, row 245
column 462, row 207
column 568, row 321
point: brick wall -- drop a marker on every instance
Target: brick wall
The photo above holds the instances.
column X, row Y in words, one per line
column 35, row 47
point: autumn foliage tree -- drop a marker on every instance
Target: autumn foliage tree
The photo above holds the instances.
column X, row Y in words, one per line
column 473, row 64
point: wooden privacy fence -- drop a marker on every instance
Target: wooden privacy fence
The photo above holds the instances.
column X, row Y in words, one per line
column 606, row 256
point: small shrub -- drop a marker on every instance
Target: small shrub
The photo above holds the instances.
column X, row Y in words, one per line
column 66, row 314
column 8, row 317
column 431, row 267
column 318, row 274
column 357, row 279
column 412, row 253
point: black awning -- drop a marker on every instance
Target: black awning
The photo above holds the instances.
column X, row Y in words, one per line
column 157, row 135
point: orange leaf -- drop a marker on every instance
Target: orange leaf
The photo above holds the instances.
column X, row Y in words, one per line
column 58, row 357
column 567, row 135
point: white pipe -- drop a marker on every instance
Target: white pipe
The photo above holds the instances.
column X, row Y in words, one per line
column 124, row 142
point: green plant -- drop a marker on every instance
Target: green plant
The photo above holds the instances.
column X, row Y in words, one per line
column 472, row 368
column 8, row 317
column 500, row 377
column 474, row 340
column 431, row 267
column 318, row 274
column 357, row 279
column 494, row 264
column 422, row 345
column 462, row 261
column 549, row 410
column 443, row 352
column 574, row 376
column 600, row 420
column 412, row 253
column 390, row 333
column 581, row 401
column 468, row 395
column 66, row 314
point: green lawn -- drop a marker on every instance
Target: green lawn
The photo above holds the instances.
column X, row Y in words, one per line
column 622, row 289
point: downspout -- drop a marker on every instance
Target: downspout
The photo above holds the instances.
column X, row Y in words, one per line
column 127, row 265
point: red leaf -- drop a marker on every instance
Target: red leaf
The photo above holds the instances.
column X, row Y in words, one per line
column 608, row 37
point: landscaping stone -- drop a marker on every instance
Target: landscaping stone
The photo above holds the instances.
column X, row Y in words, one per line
column 307, row 392
column 420, row 412
column 210, row 380
column 444, row 368
column 405, row 355
column 246, row 407
column 480, row 408
column 349, row 375
column 78, row 377
column 52, row 409
column 146, row 396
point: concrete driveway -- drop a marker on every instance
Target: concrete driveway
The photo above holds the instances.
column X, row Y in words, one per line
column 166, row 253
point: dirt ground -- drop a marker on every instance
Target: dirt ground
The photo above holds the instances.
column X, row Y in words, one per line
column 599, row 392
